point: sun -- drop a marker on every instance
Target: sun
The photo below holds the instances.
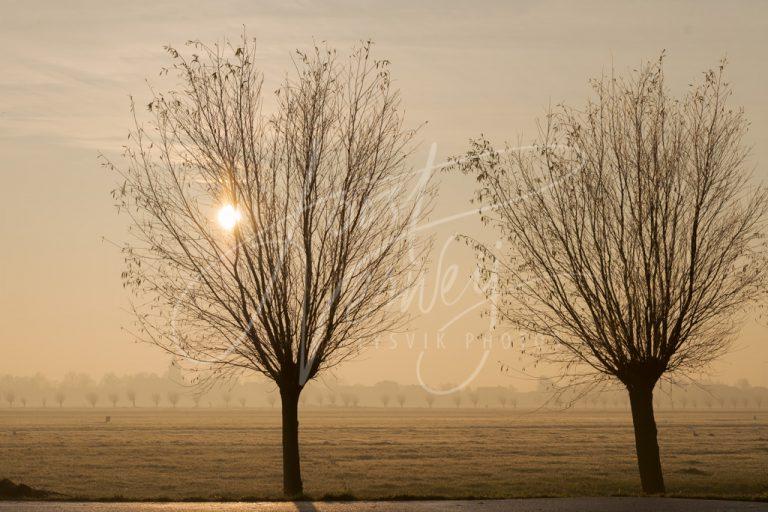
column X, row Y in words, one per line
column 228, row 217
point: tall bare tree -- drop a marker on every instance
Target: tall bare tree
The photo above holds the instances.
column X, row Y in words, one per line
column 315, row 204
column 633, row 236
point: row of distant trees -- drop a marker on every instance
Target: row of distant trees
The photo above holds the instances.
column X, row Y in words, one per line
column 689, row 397
column 150, row 390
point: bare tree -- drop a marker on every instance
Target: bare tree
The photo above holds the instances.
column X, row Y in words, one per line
column 173, row 398
column 241, row 401
column 457, row 399
column 114, row 398
column 156, row 399
column 92, row 398
column 60, row 397
column 131, row 395
column 430, row 399
column 401, row 400
column 474, row 397
column 635, row 237
column 384, row 399
column 10, row 397
column 315, row 206
column 227, row 399
column 271, row 400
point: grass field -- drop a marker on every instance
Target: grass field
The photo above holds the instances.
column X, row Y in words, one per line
column 373, row 453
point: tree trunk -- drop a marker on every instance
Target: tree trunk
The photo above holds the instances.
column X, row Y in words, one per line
column 646, row 443
column 292, row 485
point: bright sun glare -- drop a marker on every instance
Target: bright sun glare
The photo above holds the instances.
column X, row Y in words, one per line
column 228, row 216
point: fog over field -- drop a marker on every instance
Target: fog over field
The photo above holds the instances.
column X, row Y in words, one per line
column 463, row 70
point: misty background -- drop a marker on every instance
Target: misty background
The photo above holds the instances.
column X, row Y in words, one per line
column 490, row 67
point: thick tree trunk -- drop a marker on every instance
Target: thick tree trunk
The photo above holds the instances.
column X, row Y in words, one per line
column 292, row 485
column 646, row 443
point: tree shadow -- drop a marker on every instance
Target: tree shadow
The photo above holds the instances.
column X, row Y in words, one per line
column 305, row 506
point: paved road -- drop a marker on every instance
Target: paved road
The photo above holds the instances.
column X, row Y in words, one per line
column 520, row 505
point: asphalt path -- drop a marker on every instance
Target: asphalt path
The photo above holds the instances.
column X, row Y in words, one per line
column 630, row 504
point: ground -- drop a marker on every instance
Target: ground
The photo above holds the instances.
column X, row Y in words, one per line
column 372, row 453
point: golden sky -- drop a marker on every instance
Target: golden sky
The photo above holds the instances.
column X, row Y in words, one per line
column 465, row 67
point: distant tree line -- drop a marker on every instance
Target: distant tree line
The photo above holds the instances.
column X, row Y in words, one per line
column 166, row 391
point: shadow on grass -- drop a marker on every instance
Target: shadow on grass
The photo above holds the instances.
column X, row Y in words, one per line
column 12, row 491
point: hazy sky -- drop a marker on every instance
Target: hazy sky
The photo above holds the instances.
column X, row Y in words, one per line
column 466, row 68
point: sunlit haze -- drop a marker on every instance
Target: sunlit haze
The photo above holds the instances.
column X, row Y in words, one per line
column 70, row 70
